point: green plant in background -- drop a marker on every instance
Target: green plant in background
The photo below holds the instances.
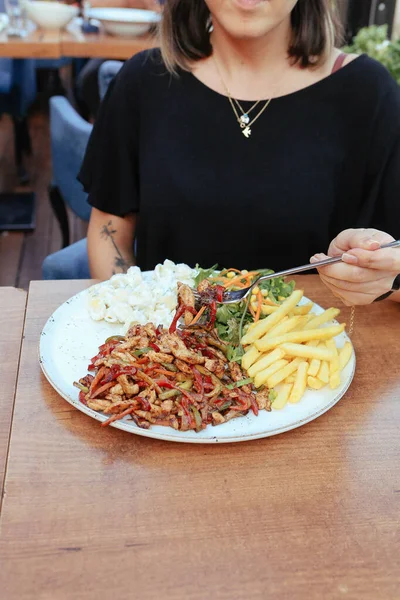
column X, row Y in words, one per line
column 374, row 41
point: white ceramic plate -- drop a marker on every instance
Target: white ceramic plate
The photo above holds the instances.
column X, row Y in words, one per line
column 124, row 22
column 70, row 338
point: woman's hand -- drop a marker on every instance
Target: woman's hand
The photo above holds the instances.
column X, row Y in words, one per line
column 367, row 272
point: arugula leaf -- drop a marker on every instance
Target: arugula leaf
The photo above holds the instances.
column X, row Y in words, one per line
column 204, row 274
column 235, row 353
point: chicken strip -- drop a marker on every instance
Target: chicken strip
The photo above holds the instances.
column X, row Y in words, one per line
column 263, row 401
column 186, row 297
column 159, row 357
column 237, row 375
column 180, row 351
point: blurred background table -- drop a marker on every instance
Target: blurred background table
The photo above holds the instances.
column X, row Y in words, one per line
column 312, row 514
column 75, row 43
column 72, row 42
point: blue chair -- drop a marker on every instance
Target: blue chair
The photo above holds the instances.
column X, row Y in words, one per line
column 69, row 134
column 17, row 93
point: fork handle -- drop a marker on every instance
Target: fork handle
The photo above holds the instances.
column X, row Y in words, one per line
column 321, row 263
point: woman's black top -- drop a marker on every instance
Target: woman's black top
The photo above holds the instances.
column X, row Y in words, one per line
column 319, row 160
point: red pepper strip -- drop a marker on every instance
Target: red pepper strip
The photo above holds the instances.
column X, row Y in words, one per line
column 242, row 402
column 189, row 395
column 219, row 289
column 91, row 368
column 198, row 381
column 180, row 311
column 254, row 405
column 213, row 314
column 144, row 402
column 117, row 417
column 184, row 402
column 208, row 354
column 168, row 384
column 155, row 347
column 116, row 371
column 82, row 398
column 178, row 314
column 159, row 330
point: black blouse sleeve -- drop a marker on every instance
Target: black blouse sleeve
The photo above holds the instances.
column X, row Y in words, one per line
column 381, row 208
column 109, row 172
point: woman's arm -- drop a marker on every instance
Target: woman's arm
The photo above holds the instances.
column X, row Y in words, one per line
column 110, row 243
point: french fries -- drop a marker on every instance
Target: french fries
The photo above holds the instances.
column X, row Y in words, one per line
column 300, row 384
column 345, row 355
column 281, row 375
column 265, row 361
column 265, row 325
column 292, row 349
column 283, row 396
column 262, row 377
column 250, row 357
column 325, row 333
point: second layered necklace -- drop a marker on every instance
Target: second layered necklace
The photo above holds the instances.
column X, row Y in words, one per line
column 244, row 119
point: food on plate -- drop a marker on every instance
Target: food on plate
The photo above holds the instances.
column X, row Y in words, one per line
column 179, row 378
column 292, row 349
column 188, row 361
column 139, row 296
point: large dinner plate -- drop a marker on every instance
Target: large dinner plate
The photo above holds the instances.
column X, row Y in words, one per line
column 70, row 338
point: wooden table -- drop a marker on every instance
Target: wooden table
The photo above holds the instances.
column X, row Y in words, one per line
column 12, row 314
column 72, row 42
column 312, row 514
column 37, row 44
column 102, row 45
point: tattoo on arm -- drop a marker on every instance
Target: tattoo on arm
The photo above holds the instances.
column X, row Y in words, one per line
column 107, row 233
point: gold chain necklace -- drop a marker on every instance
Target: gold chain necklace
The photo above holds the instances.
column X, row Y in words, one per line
column 244, row 120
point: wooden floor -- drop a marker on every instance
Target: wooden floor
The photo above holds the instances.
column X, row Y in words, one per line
column 22, row 254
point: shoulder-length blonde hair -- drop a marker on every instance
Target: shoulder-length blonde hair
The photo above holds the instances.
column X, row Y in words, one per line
column 185, row 32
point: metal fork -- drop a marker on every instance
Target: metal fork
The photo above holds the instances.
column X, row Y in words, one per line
column 237, row 296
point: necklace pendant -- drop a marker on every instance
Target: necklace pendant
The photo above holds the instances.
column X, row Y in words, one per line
column 246, row 132
column 245, row 119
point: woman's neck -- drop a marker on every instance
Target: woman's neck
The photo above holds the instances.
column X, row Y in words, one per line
column 266, row 54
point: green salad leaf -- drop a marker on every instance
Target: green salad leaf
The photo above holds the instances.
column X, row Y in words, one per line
column 204, row 274
column 232, row 320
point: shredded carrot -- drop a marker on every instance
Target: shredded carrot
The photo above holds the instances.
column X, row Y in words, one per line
column 237, row 281
column 197, row 317
column 253, row 314
column 258, row 311
column 102, row 389
column 100, row 374
column 117, row 417
column 270, row 302
column 229, row 270
column 164, row 372
column 247, row 279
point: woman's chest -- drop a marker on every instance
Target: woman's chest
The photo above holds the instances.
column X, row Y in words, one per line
column 292, row 166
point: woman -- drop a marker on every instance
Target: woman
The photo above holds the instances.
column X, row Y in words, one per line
column 245, row 143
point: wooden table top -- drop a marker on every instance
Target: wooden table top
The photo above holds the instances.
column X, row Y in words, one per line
column 312, row 514
column 102, row 45
column 37, row 44
column 12, row 314
column 72, row 42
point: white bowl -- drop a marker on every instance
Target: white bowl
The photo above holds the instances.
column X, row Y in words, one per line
column 50, row 15
column 124, row 22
